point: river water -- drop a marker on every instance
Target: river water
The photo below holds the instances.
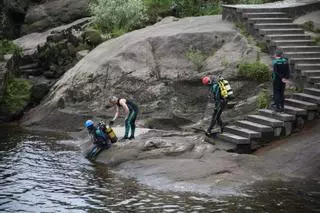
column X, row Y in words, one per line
column 38, row 173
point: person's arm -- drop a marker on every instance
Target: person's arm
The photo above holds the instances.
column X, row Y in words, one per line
column 116, row 114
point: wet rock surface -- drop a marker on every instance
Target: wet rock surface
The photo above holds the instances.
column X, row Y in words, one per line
column 182, row 161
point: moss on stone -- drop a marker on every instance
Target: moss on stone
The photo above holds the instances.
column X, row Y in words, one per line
column 8, row 47
column 92, row 37
column 16, row 95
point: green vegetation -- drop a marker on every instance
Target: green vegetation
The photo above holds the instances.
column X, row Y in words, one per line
column 242, row 29
column 316, row 40
column 197, row 57
column 248, row 1
column 119, row 15
column 256, row 71
column 16, row 95
column 263, row 100
column 8, row 47
column 263, row 46
column 308, row 26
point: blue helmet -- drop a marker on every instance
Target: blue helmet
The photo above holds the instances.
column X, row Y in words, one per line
column 88, row 123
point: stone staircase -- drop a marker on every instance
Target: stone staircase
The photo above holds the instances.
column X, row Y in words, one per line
column 275, row 27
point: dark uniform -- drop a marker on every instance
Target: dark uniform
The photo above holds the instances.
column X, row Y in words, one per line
column 281, row 71
column 131, row 118
column 220, row 104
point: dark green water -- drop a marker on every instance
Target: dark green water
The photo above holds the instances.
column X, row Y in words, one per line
column 40, row 174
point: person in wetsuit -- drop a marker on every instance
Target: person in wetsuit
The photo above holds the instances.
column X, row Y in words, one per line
column 280, row 76
column 131, row 110
column 219, row 101
column 99, row 139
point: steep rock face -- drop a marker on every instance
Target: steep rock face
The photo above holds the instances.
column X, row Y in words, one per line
column 149, row 66
column 47, row 14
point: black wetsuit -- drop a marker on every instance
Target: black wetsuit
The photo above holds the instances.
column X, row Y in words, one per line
column 131, row 118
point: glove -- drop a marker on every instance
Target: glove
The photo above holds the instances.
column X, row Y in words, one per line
column 111, row 123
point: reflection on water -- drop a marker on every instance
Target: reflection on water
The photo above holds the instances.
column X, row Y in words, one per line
column 37, row 174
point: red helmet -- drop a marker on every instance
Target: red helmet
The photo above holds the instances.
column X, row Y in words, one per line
column 206, row 80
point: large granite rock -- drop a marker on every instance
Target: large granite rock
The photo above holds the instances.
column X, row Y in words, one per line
column 149, row 66
column 48, row 14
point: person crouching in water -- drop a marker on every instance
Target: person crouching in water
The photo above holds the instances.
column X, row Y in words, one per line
column 219, row 102
column 131, row 110
column 99, row 139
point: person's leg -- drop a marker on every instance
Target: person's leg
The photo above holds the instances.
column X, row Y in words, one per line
column 283, row 87
column 127, row 128
column 213, row 120
column 277, row 94
column 133, row 123
column 219, row 113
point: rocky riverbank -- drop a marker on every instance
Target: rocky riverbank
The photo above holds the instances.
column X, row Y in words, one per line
column 182, row 161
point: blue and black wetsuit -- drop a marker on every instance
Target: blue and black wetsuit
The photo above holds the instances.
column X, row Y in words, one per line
column 280, row 70
column 131, row 119
column 100, row 141
column 220, row 103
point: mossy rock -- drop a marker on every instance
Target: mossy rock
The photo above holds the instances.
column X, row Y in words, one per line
column 92, row 37
column 17, row 95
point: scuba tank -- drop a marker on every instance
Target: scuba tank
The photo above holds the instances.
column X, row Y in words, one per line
column 108, row 131
column 111, row 134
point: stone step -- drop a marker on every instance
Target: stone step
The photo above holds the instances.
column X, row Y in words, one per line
column 247, row 133
column 32, row 72
column 305, row 60
column 306, row 97
column 265, row 120
column 300, row 48
column 29, row 66
column 291, row 42
column 239, row 140
column 288, row 37
column 259, row 10
column 301, row 104
column 302, row 54
column 294, row 110
column 308, row 73
column 278, row 116
column 265, row 15
column 312, row 91
column 270, row 20
column 314, row 79
column 317, row 85
column 306, row 66
column 254, row 126
column 276, row 26
column 281, row 31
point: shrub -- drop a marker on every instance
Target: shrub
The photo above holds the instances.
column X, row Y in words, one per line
column 158, row 8
column 7, row 46
column 263, row 46
column 242, row 29
column 17, row 94
column 197, row 57
column 308, row 26
column 197, row 8
column 118, row 14
column 256, row 71
column 263, row 100
column 316, row 40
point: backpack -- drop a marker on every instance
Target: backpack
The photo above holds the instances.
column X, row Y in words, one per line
column 225, row 88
